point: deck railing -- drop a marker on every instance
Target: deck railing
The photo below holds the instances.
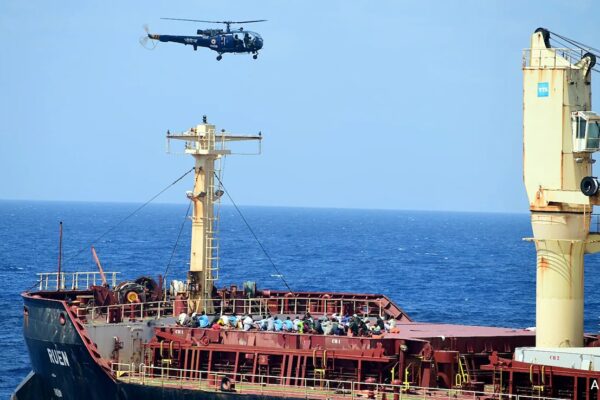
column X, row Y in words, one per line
column 74, row 280
column 291, row 387
column 553, row 58
column 253, row 306
column 117, row 312
column 300, row 306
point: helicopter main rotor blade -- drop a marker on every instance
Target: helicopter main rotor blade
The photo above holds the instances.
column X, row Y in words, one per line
column 247, row 22
column 216, row 22
column 196, row 20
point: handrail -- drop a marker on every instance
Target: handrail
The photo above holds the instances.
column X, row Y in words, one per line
column 553, row 57
column 73, row 280
column 298, row 305
column 284, row 386
column 252, row 306
column 152, row 309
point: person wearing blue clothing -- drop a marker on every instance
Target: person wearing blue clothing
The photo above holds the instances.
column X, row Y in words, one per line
column 346, row 319
column 203, row 320
column 270, row 323
column 288, row 325
column 248, row 322
column 278, row 324
column 263, row 323
column 233, row 321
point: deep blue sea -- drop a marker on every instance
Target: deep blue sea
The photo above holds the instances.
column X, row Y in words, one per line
column 468, row 268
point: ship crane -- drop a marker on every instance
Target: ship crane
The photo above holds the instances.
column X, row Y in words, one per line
column 560, row 134
column 208, row 147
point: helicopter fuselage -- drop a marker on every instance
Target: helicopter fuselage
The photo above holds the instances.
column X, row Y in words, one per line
column 221, row 42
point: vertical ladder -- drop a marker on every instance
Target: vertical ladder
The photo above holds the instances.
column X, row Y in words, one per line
column 497, row 380
column 211, row 241
column 462, row 377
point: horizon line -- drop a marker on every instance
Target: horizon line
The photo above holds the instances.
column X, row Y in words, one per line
column 269, row 206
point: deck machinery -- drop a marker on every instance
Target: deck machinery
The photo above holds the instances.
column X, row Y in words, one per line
column 122, row 341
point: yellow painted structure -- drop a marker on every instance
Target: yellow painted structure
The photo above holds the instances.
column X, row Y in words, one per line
column 556, row 83
column 208, row 149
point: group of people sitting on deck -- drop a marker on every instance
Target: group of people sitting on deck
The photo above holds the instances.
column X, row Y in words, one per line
column 326, row 325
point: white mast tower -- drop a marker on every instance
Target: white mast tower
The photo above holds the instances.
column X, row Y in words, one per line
column 208, row 149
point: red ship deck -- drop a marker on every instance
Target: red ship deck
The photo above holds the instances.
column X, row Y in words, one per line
column 416, row 354
column 424, row 330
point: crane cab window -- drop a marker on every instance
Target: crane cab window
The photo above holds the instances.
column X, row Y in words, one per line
column 586, row 131
column 582, row 123
column 593, row 134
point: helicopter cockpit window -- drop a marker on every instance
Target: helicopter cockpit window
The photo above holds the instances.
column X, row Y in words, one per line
column 248, row 39
column 237, row 39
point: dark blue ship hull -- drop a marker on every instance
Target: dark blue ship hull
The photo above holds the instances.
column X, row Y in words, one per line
column 62, row 364
column 64, row 367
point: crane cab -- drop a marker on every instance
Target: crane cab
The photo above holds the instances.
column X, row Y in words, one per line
column 586, row 131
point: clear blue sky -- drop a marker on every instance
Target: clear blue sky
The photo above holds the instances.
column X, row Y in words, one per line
column 363, row 104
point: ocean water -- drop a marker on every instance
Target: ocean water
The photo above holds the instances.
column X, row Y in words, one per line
column 468, row 268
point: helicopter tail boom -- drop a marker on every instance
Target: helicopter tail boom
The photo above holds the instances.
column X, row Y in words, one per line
column 195, row 41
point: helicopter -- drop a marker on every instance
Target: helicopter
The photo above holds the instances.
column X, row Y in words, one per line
column 220, row 40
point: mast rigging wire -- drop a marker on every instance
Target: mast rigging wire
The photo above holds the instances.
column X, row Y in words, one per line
column 279, row 274
column 187, row 213
column 128, row 216
column 573, row 42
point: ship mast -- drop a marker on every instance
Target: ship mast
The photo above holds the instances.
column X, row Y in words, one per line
column 208, row 149
column 560, row 133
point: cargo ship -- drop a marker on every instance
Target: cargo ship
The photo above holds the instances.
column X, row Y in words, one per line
column 91, row 336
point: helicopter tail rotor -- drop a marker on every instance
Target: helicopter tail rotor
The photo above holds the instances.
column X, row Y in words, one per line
column 148, row 41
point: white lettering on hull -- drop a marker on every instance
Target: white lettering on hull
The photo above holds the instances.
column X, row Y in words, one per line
column 58, row 357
